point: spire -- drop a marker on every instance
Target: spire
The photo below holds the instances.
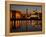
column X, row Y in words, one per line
column 27, row 11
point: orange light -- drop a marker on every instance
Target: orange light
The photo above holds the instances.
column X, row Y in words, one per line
column 18, row 15
column 17, row 24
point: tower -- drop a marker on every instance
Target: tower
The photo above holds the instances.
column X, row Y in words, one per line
column 27, row 12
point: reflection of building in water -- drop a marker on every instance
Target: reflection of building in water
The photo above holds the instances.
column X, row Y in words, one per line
column 15, row 15
column 21, row 20
column 18, row 16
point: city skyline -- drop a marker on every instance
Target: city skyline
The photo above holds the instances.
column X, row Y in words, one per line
column 23, row 8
